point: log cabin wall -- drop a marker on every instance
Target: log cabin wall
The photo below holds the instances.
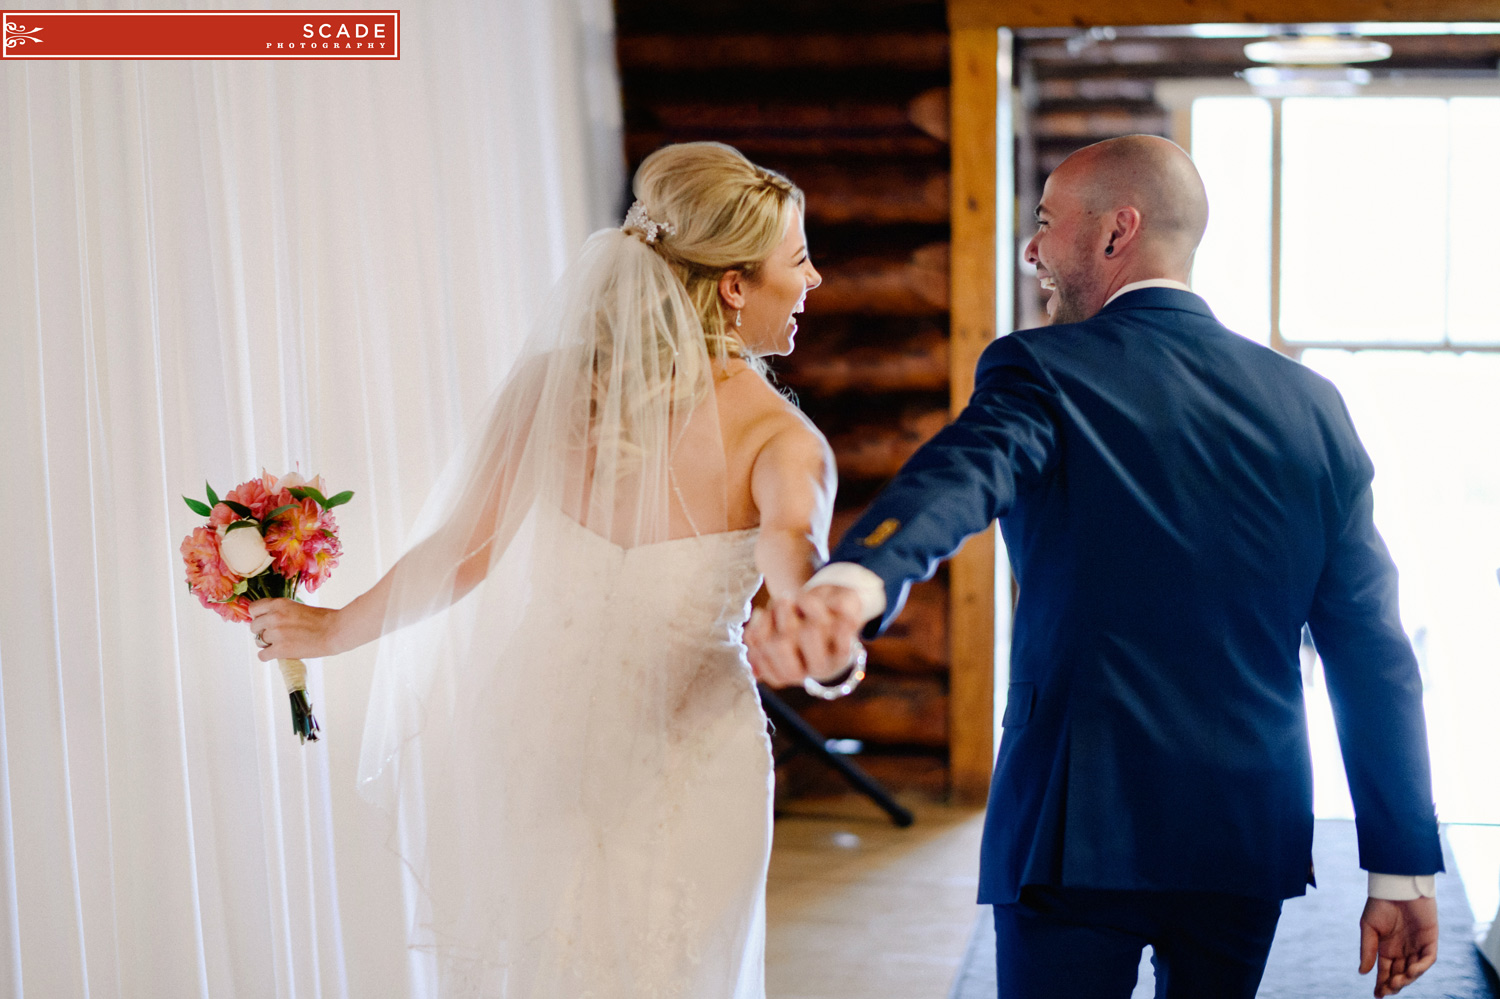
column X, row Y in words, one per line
column 851, row 102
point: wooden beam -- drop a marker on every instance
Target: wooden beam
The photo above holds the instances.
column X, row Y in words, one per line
column 973, row 312
column 677, row 53
column 964, row 15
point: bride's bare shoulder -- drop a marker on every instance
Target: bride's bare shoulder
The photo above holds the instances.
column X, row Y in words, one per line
column 752, row 410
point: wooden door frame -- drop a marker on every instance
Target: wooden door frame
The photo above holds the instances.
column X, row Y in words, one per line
column 974, row 27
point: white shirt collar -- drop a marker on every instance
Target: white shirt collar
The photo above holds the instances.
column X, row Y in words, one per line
column 1150, row 283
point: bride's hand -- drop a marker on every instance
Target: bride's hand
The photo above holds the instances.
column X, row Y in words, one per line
column 289, row 630
column 810, row 635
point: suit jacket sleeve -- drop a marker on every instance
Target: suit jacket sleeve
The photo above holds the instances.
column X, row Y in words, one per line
column 1376, row 692
column 961, row 480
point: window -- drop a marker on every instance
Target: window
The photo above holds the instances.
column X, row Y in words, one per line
column 1364, row 221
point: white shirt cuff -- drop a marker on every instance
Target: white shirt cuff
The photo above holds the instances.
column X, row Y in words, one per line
column 1402, row 887
column 870, row 587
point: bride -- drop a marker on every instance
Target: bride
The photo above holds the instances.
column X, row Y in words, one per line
column 572, row 755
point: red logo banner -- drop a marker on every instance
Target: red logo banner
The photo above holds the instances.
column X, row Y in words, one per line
column 201, row 34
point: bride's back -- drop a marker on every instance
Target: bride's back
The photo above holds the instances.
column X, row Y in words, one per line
column 710, row 466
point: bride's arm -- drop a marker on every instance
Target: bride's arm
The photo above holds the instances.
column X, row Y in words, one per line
column 299, row 631
column 792, row 483
column 438, row 571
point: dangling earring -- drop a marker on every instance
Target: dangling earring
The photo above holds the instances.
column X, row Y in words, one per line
column 737, row 322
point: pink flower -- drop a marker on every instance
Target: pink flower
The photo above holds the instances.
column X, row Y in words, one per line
column 237, row 609
column 209, row 578
column 255, row 494
column 292, row 536
column 324, row 551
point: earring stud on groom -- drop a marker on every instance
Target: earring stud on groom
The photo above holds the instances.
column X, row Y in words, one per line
column 1177, row 502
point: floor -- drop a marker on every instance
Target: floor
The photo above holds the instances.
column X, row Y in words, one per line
column 859, row 909
column 856, row 907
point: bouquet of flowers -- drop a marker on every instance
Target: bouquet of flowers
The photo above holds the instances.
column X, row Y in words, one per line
column 265, row 538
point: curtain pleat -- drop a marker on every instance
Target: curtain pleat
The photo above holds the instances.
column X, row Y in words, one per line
column 207, row 269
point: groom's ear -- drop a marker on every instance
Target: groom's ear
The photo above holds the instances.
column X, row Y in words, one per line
column 732, row 288
column 1126, row 228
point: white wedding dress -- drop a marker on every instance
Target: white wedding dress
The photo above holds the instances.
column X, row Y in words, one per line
column 571, row 758
column 634, row 867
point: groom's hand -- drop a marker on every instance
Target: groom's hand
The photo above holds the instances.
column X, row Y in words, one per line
column 1401, row 938
column 812, row 634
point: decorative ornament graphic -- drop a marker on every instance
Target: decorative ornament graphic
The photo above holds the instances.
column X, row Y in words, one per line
column 19, row 34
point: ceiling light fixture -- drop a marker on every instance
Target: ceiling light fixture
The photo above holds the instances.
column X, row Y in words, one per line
column 1317, row 50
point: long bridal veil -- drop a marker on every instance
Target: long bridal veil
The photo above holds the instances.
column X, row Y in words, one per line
column 485, row 743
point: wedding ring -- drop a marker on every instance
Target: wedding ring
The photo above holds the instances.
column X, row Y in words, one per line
column 260, row 640
column 856, row 674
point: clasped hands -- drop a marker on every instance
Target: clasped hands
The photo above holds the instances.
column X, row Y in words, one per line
column 813, row 633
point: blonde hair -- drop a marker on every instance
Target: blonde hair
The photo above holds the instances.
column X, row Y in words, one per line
column 726, row 213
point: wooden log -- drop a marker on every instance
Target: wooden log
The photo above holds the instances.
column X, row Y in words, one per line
column 1057, row 57
column 874, row 194
column 929, row 112
column 830, row 366
column 992, row 14
column 814, row 145
column 917, row 641
column 923, row 775
column 838, row 117
column 1106, row 88
column 925, row 51
column 971, row 573
column 1091, row 126
column 916, row 286
column 877, row 452
column 887, row 709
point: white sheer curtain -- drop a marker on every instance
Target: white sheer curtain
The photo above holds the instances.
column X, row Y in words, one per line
column 207, row 268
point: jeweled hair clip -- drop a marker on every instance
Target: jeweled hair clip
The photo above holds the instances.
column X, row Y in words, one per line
column 636, row 219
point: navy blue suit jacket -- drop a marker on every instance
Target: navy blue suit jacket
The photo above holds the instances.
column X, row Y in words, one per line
column 1176, row 501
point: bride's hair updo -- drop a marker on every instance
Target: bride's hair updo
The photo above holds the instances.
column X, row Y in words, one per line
column 726, row 214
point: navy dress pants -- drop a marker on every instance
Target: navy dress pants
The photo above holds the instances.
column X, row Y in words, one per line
column 1083, row 943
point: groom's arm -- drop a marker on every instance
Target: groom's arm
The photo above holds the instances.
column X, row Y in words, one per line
column 956, row 484
column 1376, row 692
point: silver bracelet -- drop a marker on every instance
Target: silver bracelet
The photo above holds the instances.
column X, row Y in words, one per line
column 856, row 674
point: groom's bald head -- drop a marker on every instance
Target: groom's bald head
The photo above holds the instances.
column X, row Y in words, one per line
column 1119, row 211
column 1150, row 174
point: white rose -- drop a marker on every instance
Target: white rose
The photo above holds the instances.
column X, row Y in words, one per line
column 244, row 551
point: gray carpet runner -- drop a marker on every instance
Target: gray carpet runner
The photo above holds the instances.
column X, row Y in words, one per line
column 1316, row 951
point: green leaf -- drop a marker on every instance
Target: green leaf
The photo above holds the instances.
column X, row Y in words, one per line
column 198, row 507
column 239, row 508
column 339, row 500
column 239, row 524
column 241, row 587
column 213, row 500
column 318, row 497
column 298, row 491
column 280, row 509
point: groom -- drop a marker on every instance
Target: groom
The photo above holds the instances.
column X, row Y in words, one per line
column 1177, row 502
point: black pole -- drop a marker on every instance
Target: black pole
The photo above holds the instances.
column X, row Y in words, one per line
column 806, row 737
